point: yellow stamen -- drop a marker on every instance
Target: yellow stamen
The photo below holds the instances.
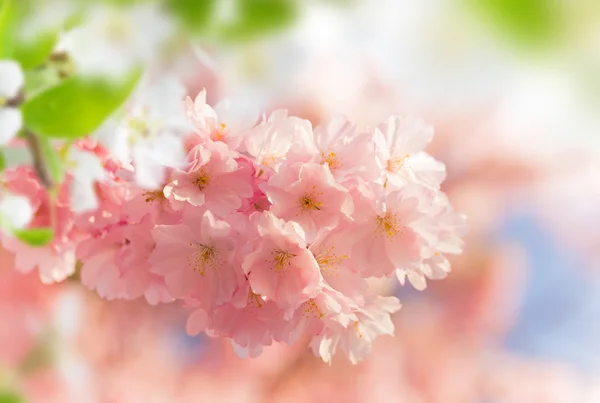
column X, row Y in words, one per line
column 388, row 225
column 154, row 195
column 204, row 257
column 396, row 164
column 329, row 262
column 219, row 134
column 331, row 159
column 202, row 180
column 254, row 300
column 311, row 308
column 282, row 260
column 309, row 201
column 357, row 329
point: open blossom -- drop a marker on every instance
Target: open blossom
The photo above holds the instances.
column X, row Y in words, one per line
column 197, row 259
column 11, row 81
column 226, row 122
column 384, row 237
column 281, row 268
column 400, row 142
column 56, row 260
column 308, row 194
column 214, row 180
column 349, row 153
column 356, row 339
column 115, row 263
column 269, row 142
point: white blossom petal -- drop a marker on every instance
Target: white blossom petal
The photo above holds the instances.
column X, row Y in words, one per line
column 11, row 122
column 11, row 78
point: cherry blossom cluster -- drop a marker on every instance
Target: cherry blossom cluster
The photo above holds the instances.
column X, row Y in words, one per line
column 267, row 228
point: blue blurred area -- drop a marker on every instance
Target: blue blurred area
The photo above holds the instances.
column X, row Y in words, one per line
column 558, row 316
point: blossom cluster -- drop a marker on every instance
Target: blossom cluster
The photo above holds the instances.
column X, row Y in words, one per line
column 267, row 228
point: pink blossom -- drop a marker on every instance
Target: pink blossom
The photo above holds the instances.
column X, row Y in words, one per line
column 197, row 259
column 227, row 122
column 214, row 180
column 399, row 144
column 384, row 237
column 269, row 142
column 281, row 268
column 356, row 339
column 56, row 260
column 308, row 194
column 349, row 153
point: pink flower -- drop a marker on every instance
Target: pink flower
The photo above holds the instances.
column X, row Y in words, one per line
column 399, row 144
column 269, row 142
column 281, row 268
column 214, row 180
column 197, row 259
column 56, row 260
column 350, row 154
column 250, row 327
column 383, row 237
column 331, row 250
column 357, row 338
column 308, row 194
column 227, row 122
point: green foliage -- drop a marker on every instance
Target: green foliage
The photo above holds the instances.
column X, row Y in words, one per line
column 528, row 22
column 75, row 107
column 10, row 397
column 7, row 18
column 195, row 15
column 34, row 237
column 259, row 17
column 33, row 54
column 52, row 160
column 29, row 53
column 2, row 161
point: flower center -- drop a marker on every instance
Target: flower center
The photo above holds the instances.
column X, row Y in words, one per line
column 282, row 260
column 254, row 300
column 331, row 159
column 202, row 180
column 219, row 134
column 388, row 225
column 396, row 164
column 202, row 258
column 329, row 262
column 154, row 195
column 308, row 202
column 312, row 309
column 357, row 329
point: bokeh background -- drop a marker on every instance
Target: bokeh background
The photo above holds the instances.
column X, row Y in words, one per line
column 513, row 90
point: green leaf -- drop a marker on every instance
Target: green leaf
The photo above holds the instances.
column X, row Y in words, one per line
column 260, row 17
column 195, row 15
column 526, row 22
column 2, row 161
column 75, row 107
column 52, row 160
column 10, row 397
column 7, row 20
column 34, row 53
column 34, row 236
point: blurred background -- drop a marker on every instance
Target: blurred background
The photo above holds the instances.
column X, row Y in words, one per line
column 513, row 90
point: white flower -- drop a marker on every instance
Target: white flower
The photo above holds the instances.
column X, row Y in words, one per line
column 88, row 170
column 113, row 41
column 11, row 81
column 15, row 212
column 150, row 134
